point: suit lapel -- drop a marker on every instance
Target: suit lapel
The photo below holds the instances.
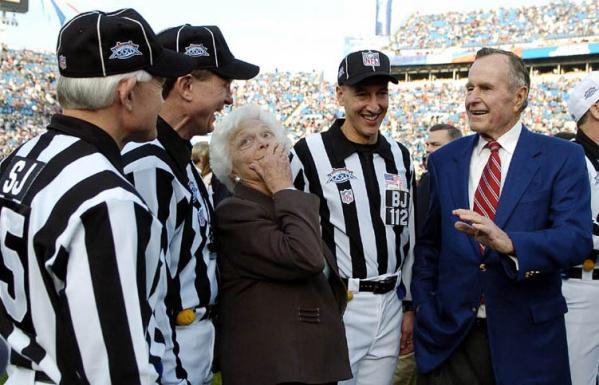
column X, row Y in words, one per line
column 459, row 180
column 461, row 173
column 523, row 167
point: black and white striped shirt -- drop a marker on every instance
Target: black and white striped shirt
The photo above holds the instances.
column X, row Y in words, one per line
column 366, row 200
column 82, row 273
column 164, row 175
column 591, row 152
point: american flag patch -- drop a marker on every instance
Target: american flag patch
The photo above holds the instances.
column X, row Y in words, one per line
column 392, row 182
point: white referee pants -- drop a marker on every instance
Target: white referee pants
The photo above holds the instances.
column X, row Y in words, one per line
column 196, row 350
column 373, row 329
column 582, row 328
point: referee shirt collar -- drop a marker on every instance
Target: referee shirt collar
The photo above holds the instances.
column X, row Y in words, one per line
column 178, row 148
column 343, row 147
column 91, row 134
column 591, row 148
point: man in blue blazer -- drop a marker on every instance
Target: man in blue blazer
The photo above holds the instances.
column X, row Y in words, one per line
column 508, row 210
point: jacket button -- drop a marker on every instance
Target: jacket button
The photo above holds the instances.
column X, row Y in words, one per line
column 474, row 309
column 483, row 267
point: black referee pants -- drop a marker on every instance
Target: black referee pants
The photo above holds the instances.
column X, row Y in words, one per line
column 469, row 364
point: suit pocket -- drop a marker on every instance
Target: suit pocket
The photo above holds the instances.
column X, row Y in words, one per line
column 309, row 315
column 549, row 310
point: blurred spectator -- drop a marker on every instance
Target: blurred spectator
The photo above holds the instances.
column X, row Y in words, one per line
column 200, row 156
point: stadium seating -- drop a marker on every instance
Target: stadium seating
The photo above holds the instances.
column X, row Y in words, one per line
column 558, row 20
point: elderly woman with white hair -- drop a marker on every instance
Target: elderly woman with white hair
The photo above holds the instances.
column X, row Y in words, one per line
column 281, row 298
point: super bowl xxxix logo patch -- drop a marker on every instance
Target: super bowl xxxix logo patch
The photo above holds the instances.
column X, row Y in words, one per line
column 196, row 50
column 125, row 50
column 340, row 175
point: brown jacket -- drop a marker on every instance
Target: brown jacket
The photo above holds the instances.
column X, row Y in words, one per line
column 280, row 317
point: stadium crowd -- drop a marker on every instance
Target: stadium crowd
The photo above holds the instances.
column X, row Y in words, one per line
column 26, row 95
column 304, row 102
column 525, row 24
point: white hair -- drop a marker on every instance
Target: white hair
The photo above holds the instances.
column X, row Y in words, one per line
column 93, row 93
column 220, row 149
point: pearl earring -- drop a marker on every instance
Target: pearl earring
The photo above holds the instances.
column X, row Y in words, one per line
column 237, row 179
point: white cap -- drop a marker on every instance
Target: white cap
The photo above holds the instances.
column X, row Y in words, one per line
column 584, row 95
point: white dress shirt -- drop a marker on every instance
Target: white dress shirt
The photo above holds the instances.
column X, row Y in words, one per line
column 478, row 161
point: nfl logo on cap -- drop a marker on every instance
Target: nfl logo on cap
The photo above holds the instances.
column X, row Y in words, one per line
column 361, row 65
column 371, row 59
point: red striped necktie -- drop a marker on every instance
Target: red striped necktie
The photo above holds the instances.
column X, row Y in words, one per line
column 486, row 196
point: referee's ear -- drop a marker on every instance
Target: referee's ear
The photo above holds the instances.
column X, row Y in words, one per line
column 339, row 90
column 183, row 88
column 125, row 92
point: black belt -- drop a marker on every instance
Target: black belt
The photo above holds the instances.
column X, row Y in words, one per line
column 376, row 287
column 576, row 272
column 210, row 312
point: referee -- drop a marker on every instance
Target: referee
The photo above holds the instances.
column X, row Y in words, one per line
column 365, row 184
column 163, row 173
column 581, row 286
column 82, row 275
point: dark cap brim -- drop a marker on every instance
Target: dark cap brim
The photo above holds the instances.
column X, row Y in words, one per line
column 367, row 75
column 171, row 64
column 237, row 69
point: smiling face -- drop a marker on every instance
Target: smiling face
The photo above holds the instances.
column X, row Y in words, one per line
column 365, row 107
column 492, row 102
column 210, row 95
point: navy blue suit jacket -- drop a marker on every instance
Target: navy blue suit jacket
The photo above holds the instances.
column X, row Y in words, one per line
column 545, row 209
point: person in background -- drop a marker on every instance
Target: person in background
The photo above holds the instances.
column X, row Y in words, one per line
column 200, row 157
column 439, row 135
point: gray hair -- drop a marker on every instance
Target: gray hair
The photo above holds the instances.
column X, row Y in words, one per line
column 519, row 76
column 93, row 93
column 220, row 149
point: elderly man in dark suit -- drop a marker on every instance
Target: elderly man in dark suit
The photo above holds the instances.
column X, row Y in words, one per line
column 282, row 299
column 509, row 209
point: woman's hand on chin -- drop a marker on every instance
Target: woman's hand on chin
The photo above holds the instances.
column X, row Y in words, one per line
column 274, row 169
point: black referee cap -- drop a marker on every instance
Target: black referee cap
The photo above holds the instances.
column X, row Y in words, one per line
column 207, row 45
column 98, row 44
column 360, row 65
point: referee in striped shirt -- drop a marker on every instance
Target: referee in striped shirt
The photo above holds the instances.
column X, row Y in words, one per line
column 82, row 278
column 581, row 284
column 165, row 176
column 365, row 184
